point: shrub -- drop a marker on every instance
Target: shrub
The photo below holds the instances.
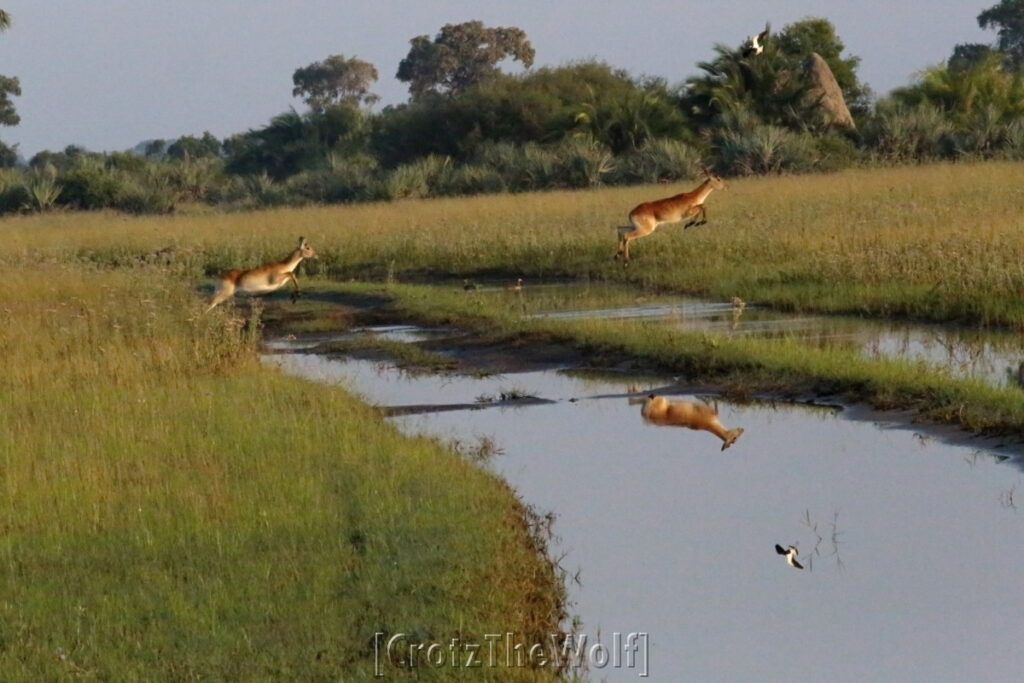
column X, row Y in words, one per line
column 658, row 160
column 765, row 149
column 899, row 133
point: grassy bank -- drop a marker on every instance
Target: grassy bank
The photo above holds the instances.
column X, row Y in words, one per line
column 740, row 366
column 173, row 510
column 940, row 242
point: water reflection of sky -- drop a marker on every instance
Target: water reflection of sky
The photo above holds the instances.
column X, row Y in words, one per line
column 676, row 538
column 995, row 356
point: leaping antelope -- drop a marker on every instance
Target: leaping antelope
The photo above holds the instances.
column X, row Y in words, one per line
column 262, row 279
column 660, row 411
column 646, row 217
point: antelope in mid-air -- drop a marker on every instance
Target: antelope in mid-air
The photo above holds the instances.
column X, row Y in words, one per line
column 646, row 217
column 262, row 279
column 694, row 415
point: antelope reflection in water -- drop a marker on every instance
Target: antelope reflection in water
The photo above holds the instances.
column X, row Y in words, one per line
column 658, row 410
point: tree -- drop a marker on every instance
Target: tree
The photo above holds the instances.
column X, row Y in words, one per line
column 1007, row 18
column 966, row 55
column 460, row 56
column 8, row 155
column 771, row 88
column 8, row 86
column 985, row 89
column 815, row 34
column 191, row 147
column 336, row 80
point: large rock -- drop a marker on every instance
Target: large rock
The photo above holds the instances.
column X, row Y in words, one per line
column 826, row 93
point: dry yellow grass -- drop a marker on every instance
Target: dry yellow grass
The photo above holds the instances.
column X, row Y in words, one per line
column 940, row 242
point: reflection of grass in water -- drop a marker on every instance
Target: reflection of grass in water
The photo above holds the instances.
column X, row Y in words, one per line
column 739, row 365
column 174, row 510
column 406, row 355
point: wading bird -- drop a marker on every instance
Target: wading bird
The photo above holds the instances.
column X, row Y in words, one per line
column 790, row 554
column 262, row 279
column 645, row 218
column 693, row 415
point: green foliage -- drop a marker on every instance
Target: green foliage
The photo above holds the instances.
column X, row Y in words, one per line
column 190, row 147
column 771, row 86
column 8, row 155
column 42, row 188
column 901, row 133
column 814, row 34
column 13, row 193
column 336, row 80
column 658, row 160
column 751, row 148
column 965, row 93
column 460, row 56
column 1007, row 18
column 416, row 179
column 9, row 87
column 293, row 143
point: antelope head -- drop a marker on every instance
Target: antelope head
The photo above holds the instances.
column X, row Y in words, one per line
column 716, row 180
column 305, row 250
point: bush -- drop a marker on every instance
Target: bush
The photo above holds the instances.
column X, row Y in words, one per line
column 90, row 185
column 900, row 134
column 416, row 179
column 14, row 195
column 660, row 160
column 765, row 149
column 582, row 162
column 470, row 179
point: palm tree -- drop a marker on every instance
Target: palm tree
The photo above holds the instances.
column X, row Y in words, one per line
column 5, row 20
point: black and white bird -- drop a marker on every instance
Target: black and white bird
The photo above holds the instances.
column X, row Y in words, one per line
column 790, row 554
column 755, row 44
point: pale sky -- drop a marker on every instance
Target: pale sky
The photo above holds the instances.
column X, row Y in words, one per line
column 107, row 74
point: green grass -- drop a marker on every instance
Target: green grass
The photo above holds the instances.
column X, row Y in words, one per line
column 173, row 510
column 942, row 242
column 739, row 366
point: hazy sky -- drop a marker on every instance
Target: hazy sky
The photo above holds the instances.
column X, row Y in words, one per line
column 108, row 74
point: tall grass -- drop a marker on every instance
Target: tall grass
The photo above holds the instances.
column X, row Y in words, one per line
column 942, row 242
column 173, row 510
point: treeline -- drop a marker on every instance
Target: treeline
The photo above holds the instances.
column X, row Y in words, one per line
column 467, row 131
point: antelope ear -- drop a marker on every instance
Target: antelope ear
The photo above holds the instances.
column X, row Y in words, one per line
column 302, row 241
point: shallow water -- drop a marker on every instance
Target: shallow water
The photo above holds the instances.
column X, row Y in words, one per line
column 913, row 545
column 994, row 356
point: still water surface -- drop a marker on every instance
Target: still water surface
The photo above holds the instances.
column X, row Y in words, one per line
column 914, row 547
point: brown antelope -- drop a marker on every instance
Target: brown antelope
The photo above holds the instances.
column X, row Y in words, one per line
column 660, row 411
column 646, row 217
column 516, row 287
column 262, row 279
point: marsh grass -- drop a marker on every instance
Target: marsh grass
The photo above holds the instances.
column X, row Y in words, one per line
column 739, row 366
column 942, row 242
column 173, row 510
